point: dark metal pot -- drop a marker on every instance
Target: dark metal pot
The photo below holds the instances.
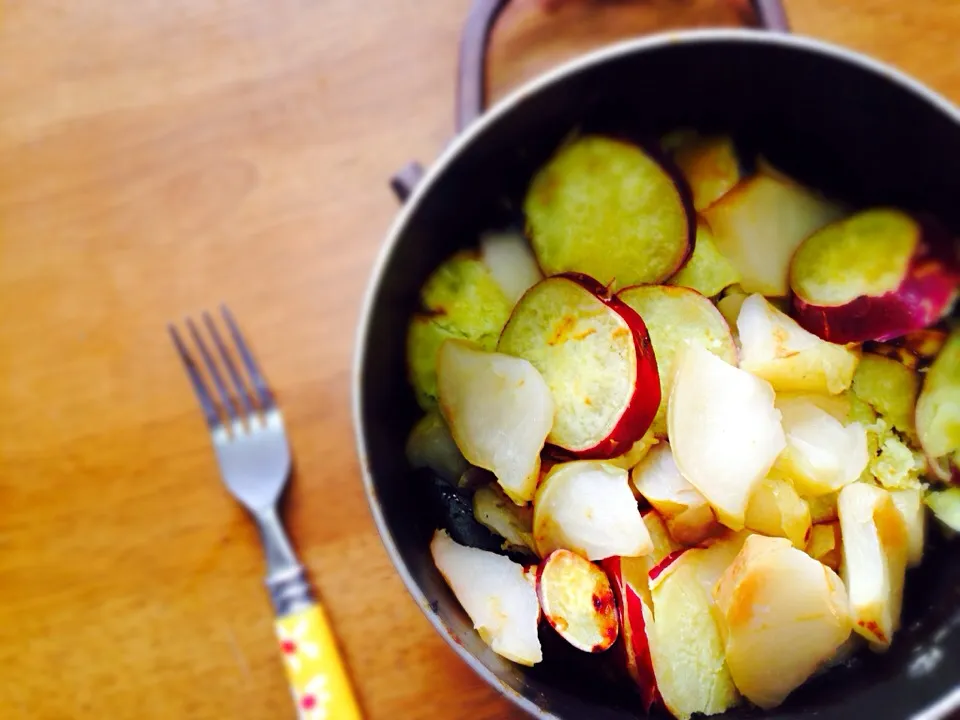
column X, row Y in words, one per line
column 834, row 118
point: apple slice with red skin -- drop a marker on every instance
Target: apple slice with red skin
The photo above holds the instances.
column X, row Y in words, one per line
column 578, row 601
column 595, row 354
column 876, row 275
column 629, row 584
column 686, row 647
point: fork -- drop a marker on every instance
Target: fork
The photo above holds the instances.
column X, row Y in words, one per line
column 254, row 457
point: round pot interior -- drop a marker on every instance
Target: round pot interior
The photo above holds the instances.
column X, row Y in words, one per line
column 832, row 119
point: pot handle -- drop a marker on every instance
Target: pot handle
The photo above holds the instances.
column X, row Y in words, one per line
column 472, row 71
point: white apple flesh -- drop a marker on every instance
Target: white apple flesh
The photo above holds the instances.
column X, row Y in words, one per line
column 782, row 615
column 822, row 454
column 724, row 430
column 587, row 507
column 511, row 262
column 685, row 644
column 909, row 504
column 499, row 410
column 688, row 515
column 773, row 346
column 759, row 224
column 496, row 594
column 874, row 560
column 777, row 510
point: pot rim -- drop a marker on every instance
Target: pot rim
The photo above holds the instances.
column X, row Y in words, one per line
column 938, row 709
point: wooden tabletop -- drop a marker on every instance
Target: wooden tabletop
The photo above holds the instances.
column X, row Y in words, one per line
column 159, row 157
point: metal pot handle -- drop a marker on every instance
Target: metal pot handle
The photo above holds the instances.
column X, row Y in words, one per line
column 472, row 71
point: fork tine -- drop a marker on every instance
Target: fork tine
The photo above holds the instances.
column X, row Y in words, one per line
column 239, row 388
column 213, row 370
column 199, row 387
column 256, row 377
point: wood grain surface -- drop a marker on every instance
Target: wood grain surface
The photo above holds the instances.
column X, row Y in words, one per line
column 161, row 156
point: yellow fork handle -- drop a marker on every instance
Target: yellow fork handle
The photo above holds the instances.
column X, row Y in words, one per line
column 317, row 673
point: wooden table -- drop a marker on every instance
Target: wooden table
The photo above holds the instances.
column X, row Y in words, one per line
column 158, row 157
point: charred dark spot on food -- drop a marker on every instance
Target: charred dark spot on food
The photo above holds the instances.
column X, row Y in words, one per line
column 603, row 601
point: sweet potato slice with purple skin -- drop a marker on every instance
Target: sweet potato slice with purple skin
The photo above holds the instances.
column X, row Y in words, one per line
column 876, row 275
column 596, row 356
column 610, row 209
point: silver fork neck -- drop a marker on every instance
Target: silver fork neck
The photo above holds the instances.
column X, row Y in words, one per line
column 286, row 579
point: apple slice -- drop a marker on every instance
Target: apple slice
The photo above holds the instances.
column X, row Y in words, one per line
column 777, row 510
column 822, row 454
column 826, row 544
column 462, row 300
column 909, row 504
column 511, row 262
column 938, row 407
column 607, row 208
column 595, row 355
column 782, row 615
column 499, row 410
column 430, row 445
column 707, row 271
column 685, row 644
column 663, row 543
column 577, row 601
column 874, row 560
column 775, row 348
column 759, row 225
column 709, row 163
column 729, row 306
column 724, row 430
column 873, row 276
column 587, row 507
column 688, row 515
column 498, row 598
column 498, row 513
column 677, row 317
column 890, row 388
column 633, row 604
column 945, row 505
column 839, row 406
column 823, row 508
